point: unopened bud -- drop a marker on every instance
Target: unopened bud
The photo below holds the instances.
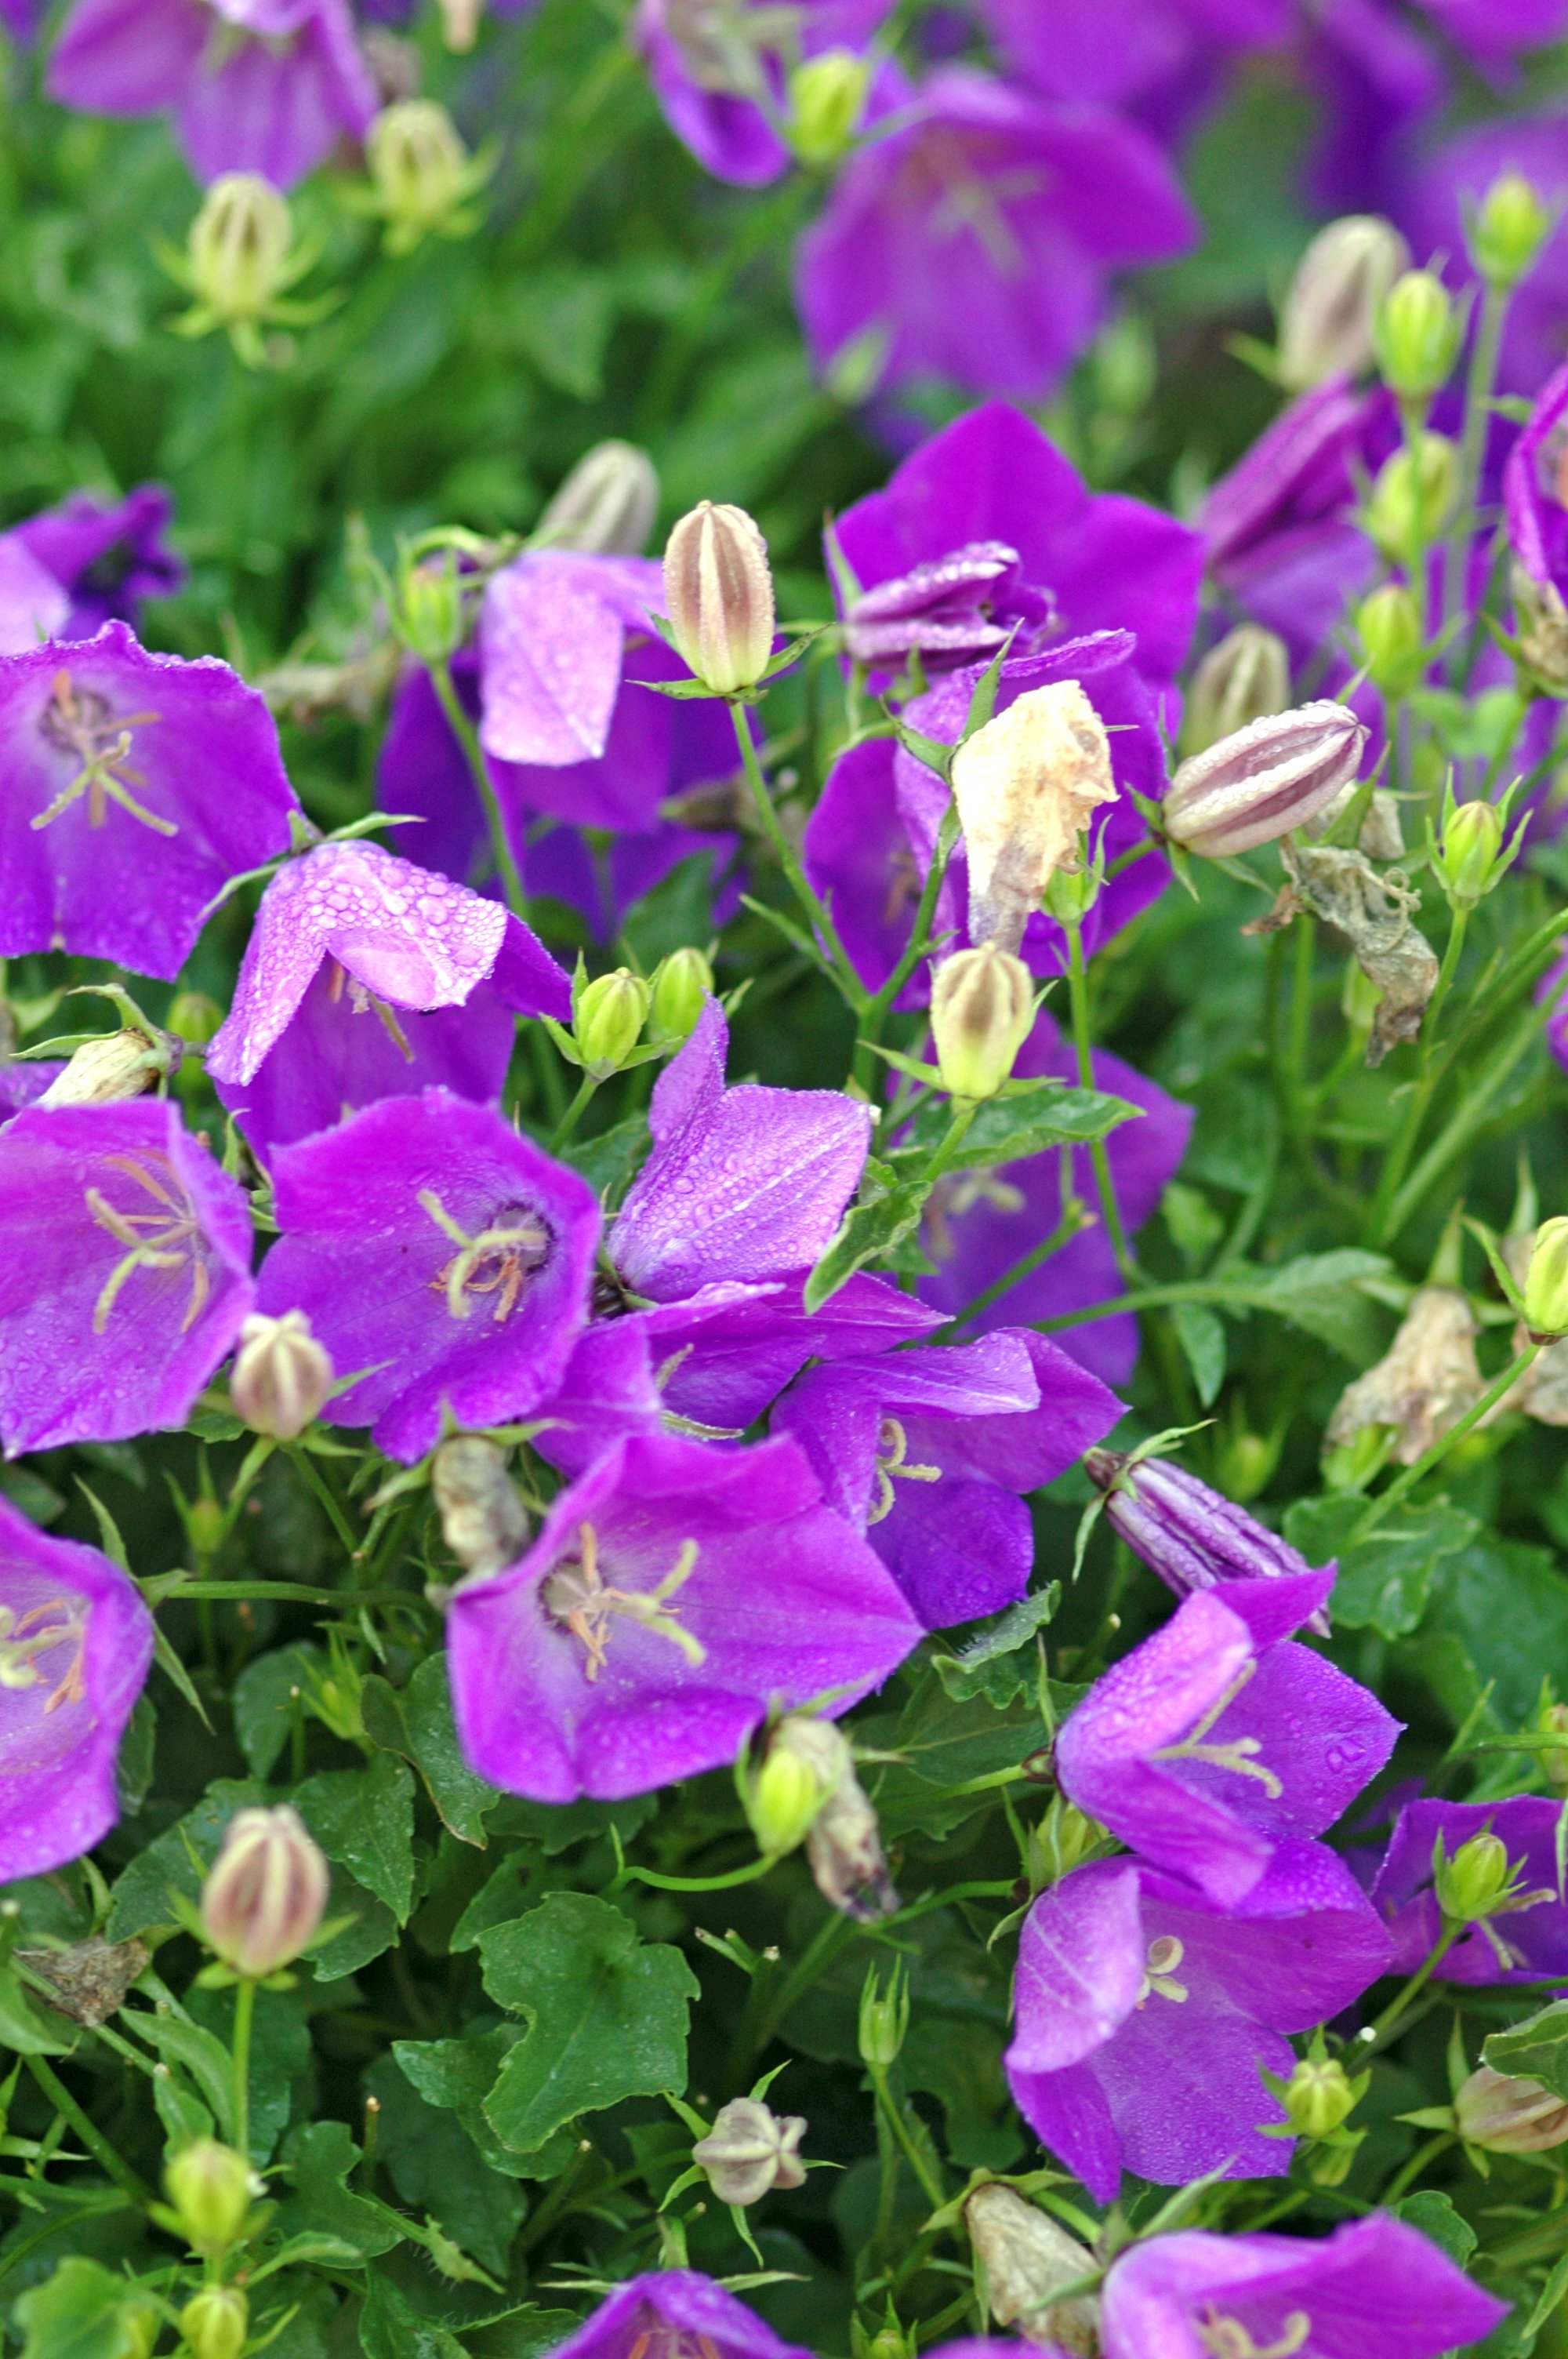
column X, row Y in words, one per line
column 1414, row 499
column 123, row 1064
column 1319, row 2097
column 1029, row 2258
column 884, row 2018
column 1327, row 319
column 719, row 592
column 240, row 250
column 216, row 2321
column 1553, row 1758
column 1026, row 787
column 1388, row 626
column 609, row 1020
column 606, row 506
column 1191, row 1536
column 1276, row 773
column 1060, row 1841
column 210, row 2188
column 1507, row 2116
column 1245, row 678
column 265, row 1894
column 682, row 985
column 282, row 1377
column 804, row 1761
column 428, row 613
column 193, row 1017
column 843, row 1842
column 749, row 2151
column 1424, row 1383
column 1469, row 1883
column 1417, row 337
column 1510, row 229
column 1469, row 848
column 483, row 1521
column 827, row 98
column 982, row 1010
column 1546, row 1281
column 423, row 173
column 1541, row 621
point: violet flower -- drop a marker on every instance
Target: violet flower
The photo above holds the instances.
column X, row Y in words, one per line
column 1375, row 80
column 76, row 1640
column 675, row 1592
column 436, row 1250
column 107, row 556
column 366, row 977
column 1025, row 205
column 1377, row 2285
column 1525, row 1941
column 1535, row 481
column 126, row 1274
column 718, row 71
column 266, row 86
column 1192, row 1536
column 1431, row 202
column 1145, row 2013
column 979, row 1225
column 1085, row 560
column 160, row 775
column 929, row 1453
column 668, row 2311
column 1121, row 51
column 1219, row 1740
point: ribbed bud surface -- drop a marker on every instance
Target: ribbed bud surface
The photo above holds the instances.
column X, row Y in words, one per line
column 719, row 591
column 266, row 1893
column 1276, row 773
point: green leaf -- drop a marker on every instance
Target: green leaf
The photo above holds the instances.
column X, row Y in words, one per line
column 1434, row 2215
column 179, row 1861
column 26, row 2028
column 264, row 1709
column 994, row 1663
column 84, row 2311
column 1384, row 1581
column 1536, row 2050
column 608, row 1162
column 607, row 2016
column 436, row 2168
column 1466, row 1643
column 199, row 2054
column 280, row 2056
column 363, row 1820
column 1316, row 1292
column 457, row 2075
column 317, row 2160
column 870, row 1232
column 418, row 1724
column 391, row 2328
column 1008, row 1128
column 1201, row 1334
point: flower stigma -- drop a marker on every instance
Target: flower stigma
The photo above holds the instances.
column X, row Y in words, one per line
column 892, row 1448
column 161, row 1239
column 577, row 1598
column 79, row 722
column 502, row 1259
column 1235, row 1755
column 1165, row 1954
column 25, row 1636
column 1227, row 2338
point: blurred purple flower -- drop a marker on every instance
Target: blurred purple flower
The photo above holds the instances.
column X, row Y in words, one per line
column 1192, row 1536
column 1145, row 2013
column 671, row 2309
column 718, row 69
column 1098, row 560
column 1526, row 1943
column 979, row 1224
column 266, row 86
column 675, row 1592
column 1535, row 480
column 1432, row 199
column 1024, row 206
column 440, row 1253
column 125, row 1275
column 929, row 1453
column 1376, row 79
column 108, row 556
column 1219, row 1740
column 136, row 786
column 1376, row 2285
column 1162, row 58
column 345, row 936
column 76, row 1640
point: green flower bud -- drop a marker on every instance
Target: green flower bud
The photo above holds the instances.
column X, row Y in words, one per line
column 427, row 612
column 266, row 1892
column 1318, row 2097
column 683, row 982
column 239, row 252
column 1508, row 2116
column 423, row 174
column 1245, row 678
column 193, row 1017
column 719, row 592
column 783, row 1799
column 609, row 1020
column 826, row 95
column 1468, row 849
column 982, row 1007
column 1414, row 499
column 606, row 506
column 1063, row 1839
column 211, row 2189
column 1417, row 335
column 216, row 2321
column 884, row 2018
column 1326, row 319
column 1388, row 628
column 1468, row 1884
column 1509, row 231
column 1546, row 1281
column 1553, row 1758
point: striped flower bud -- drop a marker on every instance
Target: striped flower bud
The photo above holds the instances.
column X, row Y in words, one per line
column 266, row 1892
column 239, row 248
column 1508, row 2116
column 210, row 2188
column 483, row 1521
column 609, row 1017
column 1414, row 499
column 1028, row 2259
column 719, row 592
column 123, row 1064
column 982, row 1006
column 1419, row 331
column 423, row 173
column 1026, row 786
column 683, row 982
column 1511, row 224
column 215, row 2322
column 282, row 1377
column 1245, row 678
column 606, row 506
column 1327, row 319
column 1546, row 1282
column 1274, row 774
column 1191, row 1536
column 751, row 2150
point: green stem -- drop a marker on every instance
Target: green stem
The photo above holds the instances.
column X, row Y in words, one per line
column 746, row 1874
column 88, row 2131
column 1414, row 2168
column 1470, row 1117
column 1105, row 1185
column 1073, row 1218
column 1426, row 1081
column 1298, row 1095
column 893, row 2113
column 963, row 1113
column 1478, row 391
column 1384, row 2025
column 574, row 1114
column 919, row 940
column 1390, row 1498
column 244, row 2008
column 837, row 958
column 300, row 1459
column 463, row 730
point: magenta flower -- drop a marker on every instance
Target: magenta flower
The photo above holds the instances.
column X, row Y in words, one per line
column 670, row 2310
column 1535, row 479
column 108, row 558
column 675, row 1592
column 1376, row 2285
column 1082, row 561
column 136, row 786
column 76, row 1641
column 1526, row 1939
column 721, row 79
column 366, row 977
column 980, row 1224
column 930, row 1452
column 1219, row 1740
column 266, row 86
column 1145, row 2013
column 440, row 1252
column 1120, row 50
column 126, row 1275
column 1026, row 205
